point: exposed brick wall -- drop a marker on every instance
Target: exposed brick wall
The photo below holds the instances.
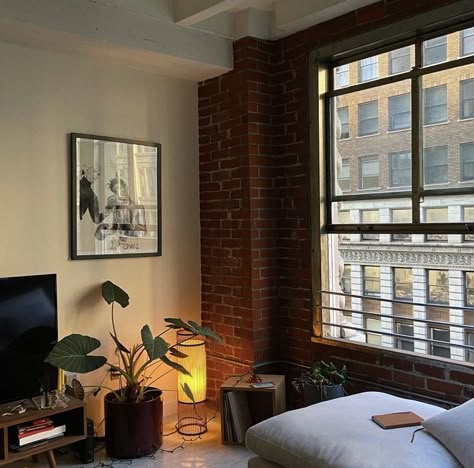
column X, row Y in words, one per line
column 255, row 215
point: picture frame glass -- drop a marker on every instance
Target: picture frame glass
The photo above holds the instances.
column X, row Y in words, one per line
column 116, row 197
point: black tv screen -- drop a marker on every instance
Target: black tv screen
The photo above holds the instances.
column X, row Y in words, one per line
column 28, row 331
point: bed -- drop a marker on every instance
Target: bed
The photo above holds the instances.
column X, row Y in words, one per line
column 340, row 434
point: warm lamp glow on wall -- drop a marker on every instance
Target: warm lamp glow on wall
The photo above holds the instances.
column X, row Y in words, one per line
column 192, row 417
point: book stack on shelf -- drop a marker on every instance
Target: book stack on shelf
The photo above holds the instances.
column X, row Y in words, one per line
column 34, row 433
column 237, row 414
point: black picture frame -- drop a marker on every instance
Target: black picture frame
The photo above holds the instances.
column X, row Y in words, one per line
column 115, row 197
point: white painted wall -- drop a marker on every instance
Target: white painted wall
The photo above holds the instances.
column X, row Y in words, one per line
column 43, row 97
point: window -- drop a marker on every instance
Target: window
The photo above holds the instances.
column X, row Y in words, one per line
column 344, row 176
column 399, row 61
column 369, row 172
column 439, row 349
column 368, row 69
column 344, row 217
column 467, row 41
column 371, row 280
column 342, row 76
column 467, row 162
column 412, row 187
column 438, row 286
column 399, row 112
column 343, row 113
column 467, row 99
column 470, row 342
column 469, row 282
column 370, row 217
column 346, row 287
column 468, row 215
column 401, row 216
column 436, row 165
column 434, row 51
column 436, row 215
column 400, row 169
column 368, row 118
column 404, row 328
column 403, row 284
column 435, row 99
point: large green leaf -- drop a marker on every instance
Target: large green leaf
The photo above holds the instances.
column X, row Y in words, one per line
column 177, row 323
column 119, row 345
column 71, row 354
column 177, row 353
column 113, row 293
column 188, row 391
column 206, row 331
column 155, row 347
column 175, row 366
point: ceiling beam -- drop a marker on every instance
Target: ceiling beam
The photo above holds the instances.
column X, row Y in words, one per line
column 291, row 16
column 189, row 13
column 97, row 28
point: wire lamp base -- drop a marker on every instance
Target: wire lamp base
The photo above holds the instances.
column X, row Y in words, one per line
column 192, row 418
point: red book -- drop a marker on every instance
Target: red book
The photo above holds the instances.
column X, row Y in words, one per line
column 37, row 424
column 36, row 431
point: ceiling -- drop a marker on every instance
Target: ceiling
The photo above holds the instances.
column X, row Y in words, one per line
column 190, row 39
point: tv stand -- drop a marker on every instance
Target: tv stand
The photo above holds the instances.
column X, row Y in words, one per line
column 73, row 416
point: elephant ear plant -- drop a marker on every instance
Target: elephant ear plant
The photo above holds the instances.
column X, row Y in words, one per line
column 136, row 363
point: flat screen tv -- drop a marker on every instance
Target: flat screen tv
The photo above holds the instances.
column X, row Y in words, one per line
column 28, row 331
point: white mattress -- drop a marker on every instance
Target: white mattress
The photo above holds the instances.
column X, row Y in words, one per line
column 340, row 434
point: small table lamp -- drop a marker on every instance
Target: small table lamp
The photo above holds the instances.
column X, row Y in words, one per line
column 192, row 417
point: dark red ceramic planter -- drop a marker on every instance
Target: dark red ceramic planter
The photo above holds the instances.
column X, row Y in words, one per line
column 133, row 430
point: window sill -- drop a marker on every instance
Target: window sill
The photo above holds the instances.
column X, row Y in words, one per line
column 358, row 137
column 366, row 190
column 398, row 131
column 436, row 124
column 393, row 352
column 467, row 119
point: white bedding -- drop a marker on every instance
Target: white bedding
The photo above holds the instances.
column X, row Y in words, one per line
column 340, row 434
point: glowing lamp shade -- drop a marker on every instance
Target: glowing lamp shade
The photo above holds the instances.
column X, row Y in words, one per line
column 192, row 416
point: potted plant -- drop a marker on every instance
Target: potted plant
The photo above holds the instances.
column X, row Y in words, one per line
column 321, row 382
column 134, row 411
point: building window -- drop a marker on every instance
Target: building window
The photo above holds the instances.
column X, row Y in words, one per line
column 343, row 113
column 346, row 287
column 436, row 215
column 399, row 61
column 438, row 286
column 403, row 284
column 370, row 217
column 371, row 276
column 368, row 118
column 344, row 176
column 468, row 215
column 435, row 110
column 469, row 282
column 436, row 165
column 399, row 112
column 368, row 69
column 369, row 172
column 373, row 323
column 467, row 41
column 434, row 51
column 467, row 99
column 342, row 76
column 469, row 340
column 467, row 162
column 401, row 216
column 404, row 328
column 400, row 169
column 439, row 349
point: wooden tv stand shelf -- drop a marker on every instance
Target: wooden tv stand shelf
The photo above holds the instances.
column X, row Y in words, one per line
column 73, row 416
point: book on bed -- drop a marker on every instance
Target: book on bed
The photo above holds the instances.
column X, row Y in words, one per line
column 396, row 420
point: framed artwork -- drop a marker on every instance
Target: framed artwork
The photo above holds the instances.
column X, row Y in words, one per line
column 115, row 197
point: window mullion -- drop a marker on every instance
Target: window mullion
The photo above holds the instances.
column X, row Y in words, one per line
column 417, row 134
